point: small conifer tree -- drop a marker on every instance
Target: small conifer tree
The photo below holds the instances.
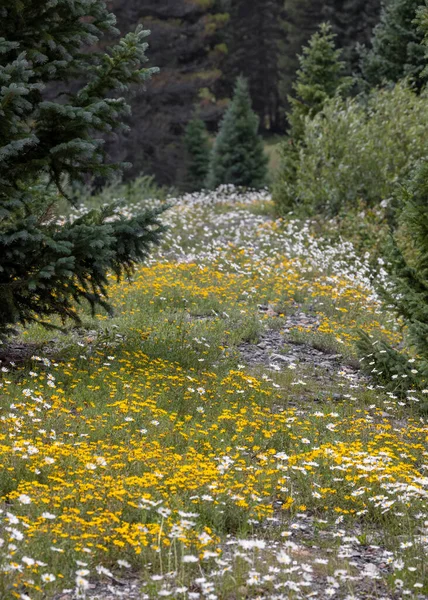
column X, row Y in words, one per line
column 238, row 157
column 320, row 77
column 46, row 141
column 197, row 143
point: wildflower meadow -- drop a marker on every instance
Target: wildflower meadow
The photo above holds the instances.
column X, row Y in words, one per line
column 143, row 456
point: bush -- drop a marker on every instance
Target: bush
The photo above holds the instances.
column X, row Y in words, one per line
column 408, row 290
column 354, row 151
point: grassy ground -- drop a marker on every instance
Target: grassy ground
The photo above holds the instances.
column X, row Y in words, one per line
column 272, row 150
column 143, row 446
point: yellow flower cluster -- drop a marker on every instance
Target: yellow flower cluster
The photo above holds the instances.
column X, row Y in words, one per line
column 115, row 470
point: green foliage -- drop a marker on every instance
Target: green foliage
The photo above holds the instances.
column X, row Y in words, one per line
column 46, row 267
column 198, row 150
column 352, row 21
column 397, row 46
column 422, row 22
column 354, row 151
column 408, row 292
column 320, row 77
column 238, row 157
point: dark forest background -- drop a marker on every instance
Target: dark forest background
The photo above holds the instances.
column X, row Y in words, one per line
column 202, row 46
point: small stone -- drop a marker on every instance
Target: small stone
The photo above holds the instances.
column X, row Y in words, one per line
column 281, row 357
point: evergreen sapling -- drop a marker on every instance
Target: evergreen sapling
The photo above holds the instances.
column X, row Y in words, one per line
column 408, row 291
column 321, row 76
column 198, row 150
column 407, row 294
column 238, row 157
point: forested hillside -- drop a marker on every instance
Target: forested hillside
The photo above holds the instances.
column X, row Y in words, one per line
column 186, row 43
column 201, row 47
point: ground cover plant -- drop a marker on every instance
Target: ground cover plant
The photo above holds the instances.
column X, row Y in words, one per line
column 175, row 450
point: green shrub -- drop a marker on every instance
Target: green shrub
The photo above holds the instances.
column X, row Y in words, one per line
column 407, row 291
column 354, row 151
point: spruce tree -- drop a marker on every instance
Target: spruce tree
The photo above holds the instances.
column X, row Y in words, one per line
column 320, row 77
column 238, row 157
column 197, row 143
column 397, row 46
column 407, row 292
column 351, row 20
column 47, row 267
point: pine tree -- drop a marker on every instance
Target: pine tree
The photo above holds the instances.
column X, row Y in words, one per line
column 47, row 267
column 238, row 157
column 352, row 21
column 198, row 155
column 407, row 292
column 397, row 46
column 321, row 76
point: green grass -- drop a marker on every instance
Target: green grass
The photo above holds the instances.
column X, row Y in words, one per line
column 272, row 149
